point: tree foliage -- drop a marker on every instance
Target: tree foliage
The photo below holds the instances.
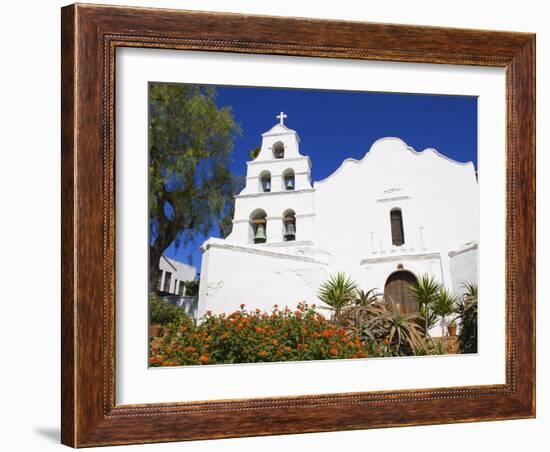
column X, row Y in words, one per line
column 191, row 187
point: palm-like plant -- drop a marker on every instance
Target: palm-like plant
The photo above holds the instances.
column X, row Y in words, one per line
column 425, row 292
column 337, row 293
column 444, row 305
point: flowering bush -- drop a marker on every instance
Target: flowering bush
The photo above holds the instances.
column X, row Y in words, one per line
column 256, row 336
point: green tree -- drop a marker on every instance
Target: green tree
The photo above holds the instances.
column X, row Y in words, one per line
column 255, row 152
column 191, row 187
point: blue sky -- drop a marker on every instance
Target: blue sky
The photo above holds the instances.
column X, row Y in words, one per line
column 335, row 125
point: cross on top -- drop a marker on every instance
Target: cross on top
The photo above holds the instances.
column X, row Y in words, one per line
column 281, row 118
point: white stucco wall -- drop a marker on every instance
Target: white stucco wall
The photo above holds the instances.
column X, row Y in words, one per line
column 437, row 197
column 464, row 264
column 259, row 276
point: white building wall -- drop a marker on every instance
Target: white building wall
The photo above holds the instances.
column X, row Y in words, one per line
column 463, row 264
column 437, row 197
column 259, row 277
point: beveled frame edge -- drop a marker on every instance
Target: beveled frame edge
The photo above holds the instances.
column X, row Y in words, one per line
column 90, row 35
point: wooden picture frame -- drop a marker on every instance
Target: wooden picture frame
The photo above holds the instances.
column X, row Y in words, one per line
column 90, row 36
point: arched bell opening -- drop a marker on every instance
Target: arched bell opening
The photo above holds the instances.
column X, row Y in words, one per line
column 397, row 291
column 278, row 150
column 265, row 181
column 289, row 180
column 258, row 226
column 289, row 225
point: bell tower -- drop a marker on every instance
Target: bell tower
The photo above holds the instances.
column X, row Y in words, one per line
column 276, row 206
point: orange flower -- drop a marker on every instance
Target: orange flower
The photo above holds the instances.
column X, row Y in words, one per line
column 298, row 313
column 327, row 333
column 242, row 306
column 190, row 349
column 275, row 342
column 263, row 353
column 259, row 329
column 333, row 351
column 204, row 359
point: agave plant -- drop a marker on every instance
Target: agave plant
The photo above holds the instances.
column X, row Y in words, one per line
column 425, row 292
column 404, row 329
column 337, row 293
column 367, row 298
column 444, row 305
column 400, row 329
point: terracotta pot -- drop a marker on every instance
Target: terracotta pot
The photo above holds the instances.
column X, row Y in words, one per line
column 452, row 330
column 157, row 330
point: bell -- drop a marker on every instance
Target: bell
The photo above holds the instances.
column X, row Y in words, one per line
column 260, row 237
column 290, row 233
column 267, row 185
column 290, row 183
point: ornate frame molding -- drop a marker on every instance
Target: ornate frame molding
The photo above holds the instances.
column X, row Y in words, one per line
column 90, row 37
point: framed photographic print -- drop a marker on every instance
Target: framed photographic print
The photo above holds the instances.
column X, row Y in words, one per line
column 281, row 225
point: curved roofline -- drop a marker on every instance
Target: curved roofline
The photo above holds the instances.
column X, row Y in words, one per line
column 409, row 148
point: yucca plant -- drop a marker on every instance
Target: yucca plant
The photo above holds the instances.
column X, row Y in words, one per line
column 425, row 292
column 444, row 305
column 337, row 293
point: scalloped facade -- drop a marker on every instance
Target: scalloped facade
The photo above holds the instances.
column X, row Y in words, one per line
column 342, row 223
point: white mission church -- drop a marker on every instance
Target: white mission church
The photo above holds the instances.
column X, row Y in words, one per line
column 384, row 220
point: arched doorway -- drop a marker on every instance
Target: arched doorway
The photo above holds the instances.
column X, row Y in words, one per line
column 397, row 290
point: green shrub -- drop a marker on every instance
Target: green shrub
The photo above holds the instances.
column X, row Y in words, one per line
column 255, row 336
column 467, row 313
column 163, row 313
column 191, row 288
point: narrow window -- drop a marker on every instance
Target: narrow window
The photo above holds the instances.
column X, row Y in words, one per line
column 181, row 291
column 167, row 280
column 397, row 235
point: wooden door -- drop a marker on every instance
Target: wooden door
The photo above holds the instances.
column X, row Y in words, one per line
column 398, row 291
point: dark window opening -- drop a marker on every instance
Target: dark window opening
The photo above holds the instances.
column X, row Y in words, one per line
column 397, row 234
